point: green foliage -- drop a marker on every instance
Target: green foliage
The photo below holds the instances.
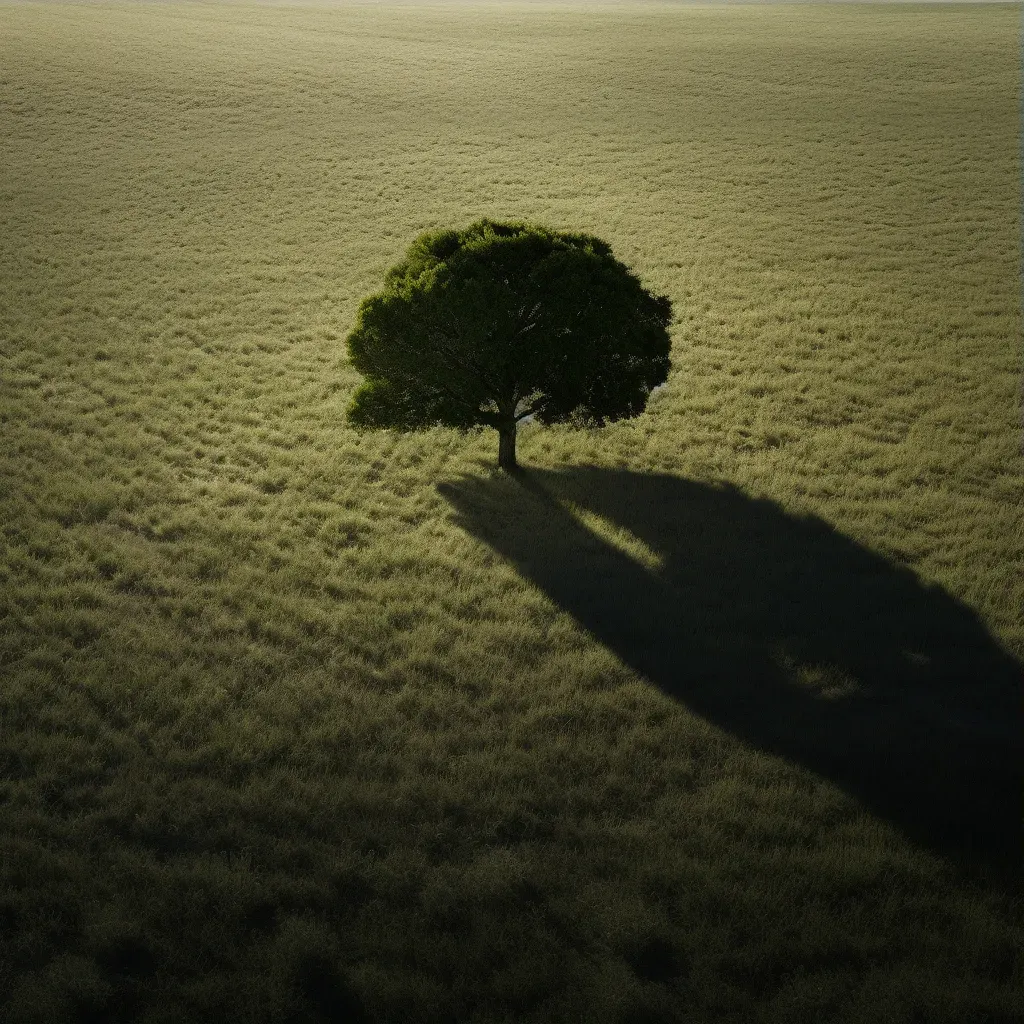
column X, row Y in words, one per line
column 502, row 321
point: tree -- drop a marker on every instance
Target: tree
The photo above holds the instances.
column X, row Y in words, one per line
column 497, row 322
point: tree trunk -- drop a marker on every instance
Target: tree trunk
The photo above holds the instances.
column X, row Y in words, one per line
column 507, row 447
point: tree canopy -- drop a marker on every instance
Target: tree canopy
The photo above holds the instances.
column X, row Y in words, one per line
column 500, row 321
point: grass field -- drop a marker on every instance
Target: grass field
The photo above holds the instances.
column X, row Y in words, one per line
column 712, row 716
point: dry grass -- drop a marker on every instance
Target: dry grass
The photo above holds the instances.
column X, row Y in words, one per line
column 711, row 718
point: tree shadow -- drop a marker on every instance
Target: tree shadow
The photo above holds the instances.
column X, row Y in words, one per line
column 792, row 637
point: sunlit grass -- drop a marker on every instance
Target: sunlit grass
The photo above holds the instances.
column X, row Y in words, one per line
column 712, row 716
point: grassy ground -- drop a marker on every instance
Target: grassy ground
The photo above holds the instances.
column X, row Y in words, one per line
column 710, row 717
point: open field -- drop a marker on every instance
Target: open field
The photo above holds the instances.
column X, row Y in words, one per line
column 713, row 716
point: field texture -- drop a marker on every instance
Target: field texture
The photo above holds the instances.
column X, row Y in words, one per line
column 711, row 716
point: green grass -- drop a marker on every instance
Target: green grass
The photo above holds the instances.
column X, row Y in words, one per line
column 713, row 716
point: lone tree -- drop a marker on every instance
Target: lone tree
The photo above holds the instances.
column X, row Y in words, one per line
column 489, row 325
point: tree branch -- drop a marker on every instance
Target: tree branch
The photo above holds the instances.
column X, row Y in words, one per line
column 535, row 408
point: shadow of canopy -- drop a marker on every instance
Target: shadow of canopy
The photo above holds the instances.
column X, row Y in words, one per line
column 792, row 637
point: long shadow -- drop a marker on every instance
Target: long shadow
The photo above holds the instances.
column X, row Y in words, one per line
column 789, row 635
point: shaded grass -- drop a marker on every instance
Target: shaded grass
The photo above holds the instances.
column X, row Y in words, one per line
column 785, row 633
column 299, row 723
